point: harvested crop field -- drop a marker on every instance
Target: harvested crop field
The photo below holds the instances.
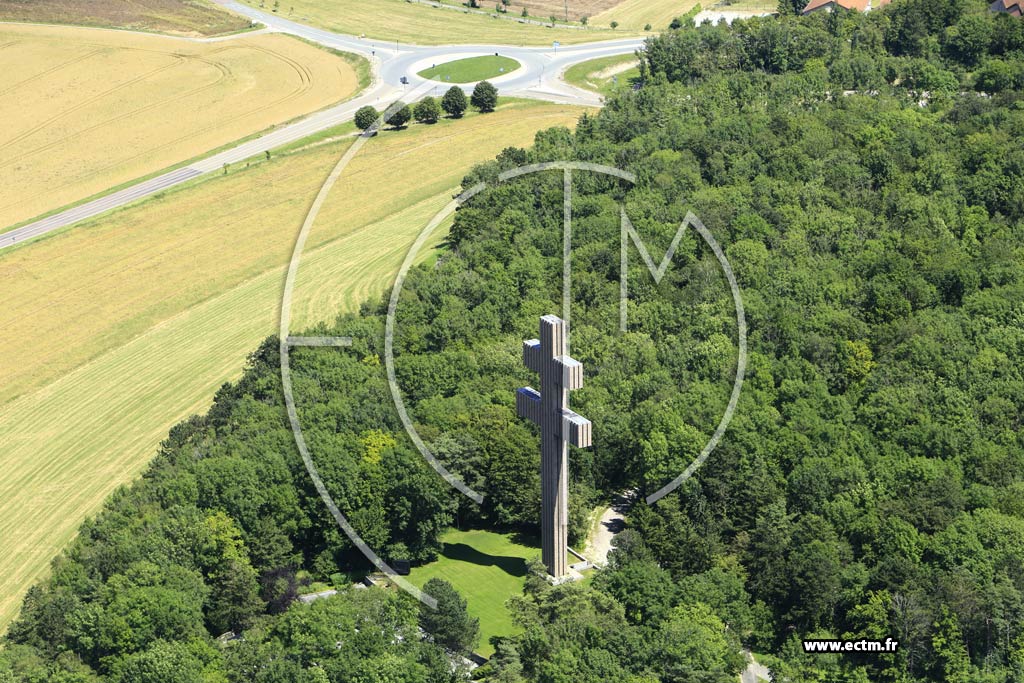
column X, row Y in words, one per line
column 557, row 8
column 187, row 17
column 88, row 109
column 424, row 24
column 115, row 330
column 635, row 14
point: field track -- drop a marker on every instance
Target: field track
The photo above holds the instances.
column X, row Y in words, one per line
column 123, row 326
column 86, row 110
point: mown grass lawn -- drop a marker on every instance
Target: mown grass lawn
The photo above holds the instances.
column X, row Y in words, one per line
column 471, row 69
column 487, row 568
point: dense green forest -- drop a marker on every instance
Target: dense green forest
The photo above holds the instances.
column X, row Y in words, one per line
column 865, row 175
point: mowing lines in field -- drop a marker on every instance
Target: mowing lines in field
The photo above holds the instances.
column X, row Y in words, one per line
column 98, row 109
column 98, row 428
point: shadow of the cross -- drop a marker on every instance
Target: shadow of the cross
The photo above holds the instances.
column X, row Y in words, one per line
column 514, row 566
column 614, row 525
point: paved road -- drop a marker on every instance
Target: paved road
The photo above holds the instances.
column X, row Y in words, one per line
column 539, row 77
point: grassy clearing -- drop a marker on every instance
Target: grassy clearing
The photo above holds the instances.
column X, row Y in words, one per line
column 114, row 330
column 471, row 69
column 390, row 20
column 86, row 110
column 487, row 568
column 604, row 75
column 195, row 17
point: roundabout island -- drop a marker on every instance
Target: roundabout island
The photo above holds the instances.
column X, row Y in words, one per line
column 470, row 69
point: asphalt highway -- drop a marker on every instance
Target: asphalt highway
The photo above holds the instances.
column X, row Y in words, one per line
column 539, row 77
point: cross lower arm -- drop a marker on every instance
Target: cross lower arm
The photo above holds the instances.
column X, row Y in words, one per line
column 576, row 429
column 528, row 404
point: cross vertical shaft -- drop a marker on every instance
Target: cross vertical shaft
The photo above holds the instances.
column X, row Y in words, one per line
column 559, row 427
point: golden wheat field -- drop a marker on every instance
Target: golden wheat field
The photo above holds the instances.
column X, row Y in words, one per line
column 87, row 109
column 115, row 330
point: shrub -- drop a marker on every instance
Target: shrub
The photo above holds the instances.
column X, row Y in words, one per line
column 454, row 102
column 485, row 96
column 365, row 117
column 427, row 110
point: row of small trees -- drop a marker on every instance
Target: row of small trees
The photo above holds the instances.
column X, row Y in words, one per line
column 454, row 103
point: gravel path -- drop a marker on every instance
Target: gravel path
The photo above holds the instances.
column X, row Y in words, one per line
column 755, row 671
column 611, row 523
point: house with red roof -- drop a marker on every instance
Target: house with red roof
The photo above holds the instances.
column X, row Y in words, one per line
column 859, row 5
column 1012, row 7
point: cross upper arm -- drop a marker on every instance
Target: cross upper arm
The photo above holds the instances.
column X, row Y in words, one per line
column 531, row 354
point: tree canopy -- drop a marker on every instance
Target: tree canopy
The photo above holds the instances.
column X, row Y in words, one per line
column 485, row 96
column 454, row 102
column 365, row 117
column 427, row 110
column 863, row 174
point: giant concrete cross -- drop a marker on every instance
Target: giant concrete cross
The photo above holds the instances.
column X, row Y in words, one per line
column 559, row 426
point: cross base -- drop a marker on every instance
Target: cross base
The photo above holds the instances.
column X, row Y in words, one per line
column 570, row 576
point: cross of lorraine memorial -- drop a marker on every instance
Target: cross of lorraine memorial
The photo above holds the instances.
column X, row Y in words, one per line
column 559, row 427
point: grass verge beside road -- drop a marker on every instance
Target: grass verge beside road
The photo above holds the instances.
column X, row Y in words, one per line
column 421, row 24
column 604, row 75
